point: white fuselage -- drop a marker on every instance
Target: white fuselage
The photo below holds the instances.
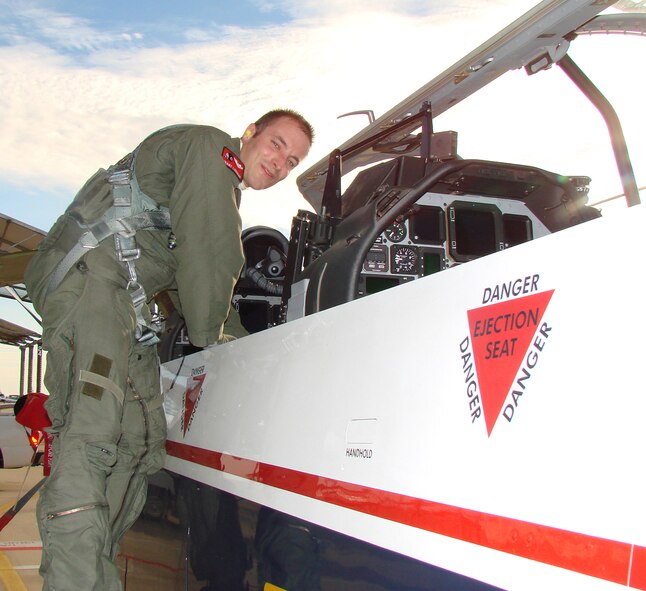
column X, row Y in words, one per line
column 486, row 419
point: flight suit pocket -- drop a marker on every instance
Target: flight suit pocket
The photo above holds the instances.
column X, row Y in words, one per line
column 101, row 455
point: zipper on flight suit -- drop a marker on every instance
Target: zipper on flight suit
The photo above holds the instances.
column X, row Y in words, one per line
column 75, row 510
column 51, row 516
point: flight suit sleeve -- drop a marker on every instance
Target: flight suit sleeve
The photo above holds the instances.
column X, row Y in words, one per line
column 207, row 226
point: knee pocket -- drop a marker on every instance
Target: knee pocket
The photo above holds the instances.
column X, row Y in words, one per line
column 101, row 455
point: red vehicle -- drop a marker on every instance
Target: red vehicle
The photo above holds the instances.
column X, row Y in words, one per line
column 19, row 446
column 18, row 443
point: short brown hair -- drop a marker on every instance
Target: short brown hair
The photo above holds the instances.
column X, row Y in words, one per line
column 303, row 124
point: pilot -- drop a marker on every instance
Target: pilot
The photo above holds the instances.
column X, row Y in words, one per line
column 165, row 217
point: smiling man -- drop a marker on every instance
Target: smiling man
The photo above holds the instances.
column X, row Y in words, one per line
column 272, row 147
column 164, row 218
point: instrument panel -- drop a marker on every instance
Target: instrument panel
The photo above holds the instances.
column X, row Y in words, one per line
column 443, row 230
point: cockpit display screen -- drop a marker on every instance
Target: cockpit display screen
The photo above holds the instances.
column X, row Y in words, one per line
column 427, row 225
column 475, row 230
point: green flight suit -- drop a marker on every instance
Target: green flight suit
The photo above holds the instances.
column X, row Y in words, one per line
column 105, row 401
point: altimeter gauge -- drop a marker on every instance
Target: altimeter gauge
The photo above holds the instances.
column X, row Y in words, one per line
column 405, row 260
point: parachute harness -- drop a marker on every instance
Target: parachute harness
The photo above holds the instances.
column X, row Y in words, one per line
column 131, row 210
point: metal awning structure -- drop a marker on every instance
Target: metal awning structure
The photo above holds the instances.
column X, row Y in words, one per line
column 12, row 334
column 18, row 244
column 29, row 344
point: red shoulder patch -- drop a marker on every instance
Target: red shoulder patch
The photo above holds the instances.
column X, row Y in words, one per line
column 232, row 161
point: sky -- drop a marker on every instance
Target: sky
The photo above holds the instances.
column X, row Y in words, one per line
column 82, row 83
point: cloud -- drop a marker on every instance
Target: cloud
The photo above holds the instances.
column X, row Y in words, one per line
column 63, row 118
column 331, row 8
column 28, row 22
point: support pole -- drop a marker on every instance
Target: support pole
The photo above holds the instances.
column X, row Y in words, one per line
column 609, row 115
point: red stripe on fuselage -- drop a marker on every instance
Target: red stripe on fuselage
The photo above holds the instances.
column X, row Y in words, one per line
column 618, row 562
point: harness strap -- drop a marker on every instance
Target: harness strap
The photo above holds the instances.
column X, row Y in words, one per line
column 124, row 188
column 96, row 233
column 102, row 382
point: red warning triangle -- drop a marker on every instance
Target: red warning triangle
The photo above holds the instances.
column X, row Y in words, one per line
column 501, row 335
column 191, row 396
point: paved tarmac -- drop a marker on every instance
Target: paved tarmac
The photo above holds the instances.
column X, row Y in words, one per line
column 20, row 544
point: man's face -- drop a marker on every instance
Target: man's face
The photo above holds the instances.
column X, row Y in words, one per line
column 271, row 154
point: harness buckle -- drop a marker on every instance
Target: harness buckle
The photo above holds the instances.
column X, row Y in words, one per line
column 119, row 177
column 146, row 336
column 138, row 294
column 126, row 246
column 129, row 255
column 88, row 240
